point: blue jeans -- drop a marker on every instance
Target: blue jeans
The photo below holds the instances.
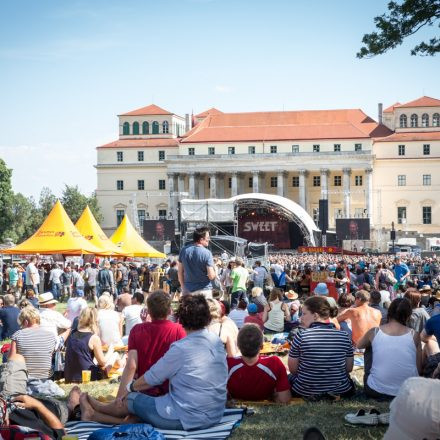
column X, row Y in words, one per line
column 56, row 290
column 237, row 296
column 144, row 407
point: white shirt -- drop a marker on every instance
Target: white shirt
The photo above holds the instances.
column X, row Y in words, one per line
column 238, row 315
column 384, row 297
column 108, row 321
column 277, row 268
column 53, row 320
column 55, row 275
column 259, row 274
column 32, row 269
column 132, row 316
column 74, row 307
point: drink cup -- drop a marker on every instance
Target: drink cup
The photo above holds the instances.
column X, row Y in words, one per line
column 86, row 376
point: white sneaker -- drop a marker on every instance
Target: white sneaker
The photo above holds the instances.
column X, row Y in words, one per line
column 363, row 418
column 384, row 419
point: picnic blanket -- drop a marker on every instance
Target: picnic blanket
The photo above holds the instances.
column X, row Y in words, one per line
column 231, row 419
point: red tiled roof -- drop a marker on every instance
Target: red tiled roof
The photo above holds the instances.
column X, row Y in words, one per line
column 291, row 125
column 148, row 110
column 411, row 136
column 390, row 109
column 211, row 111
column 424, row 101
column 138, row 143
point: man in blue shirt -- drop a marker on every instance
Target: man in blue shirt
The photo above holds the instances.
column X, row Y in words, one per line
column 401, row 271
column 8, row 317
column 196, row 265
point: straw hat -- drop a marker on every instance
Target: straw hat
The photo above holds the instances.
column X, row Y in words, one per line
column 46, row 298
column 291, row 294
column 425, row 288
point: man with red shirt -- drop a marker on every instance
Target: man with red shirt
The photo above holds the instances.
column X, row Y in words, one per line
column 255, row 377
column 149, row 341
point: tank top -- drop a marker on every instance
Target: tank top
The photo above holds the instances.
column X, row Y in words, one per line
column 79, row 357
column 275, row 318
column 394, row 361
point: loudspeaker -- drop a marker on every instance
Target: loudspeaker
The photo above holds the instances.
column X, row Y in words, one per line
column 392, row 235
column 323, row 215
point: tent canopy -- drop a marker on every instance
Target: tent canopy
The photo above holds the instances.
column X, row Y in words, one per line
column 128, row 240
column 90, row 230
column 57, row 235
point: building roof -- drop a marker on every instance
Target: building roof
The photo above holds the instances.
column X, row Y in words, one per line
column 290, row 125
column 138, row 143
column 424, row 101
column 390, row 109
column 211, row 111
column 151, row 109
column 411, row 136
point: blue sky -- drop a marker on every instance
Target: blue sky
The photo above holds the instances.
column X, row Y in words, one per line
column 67, row 68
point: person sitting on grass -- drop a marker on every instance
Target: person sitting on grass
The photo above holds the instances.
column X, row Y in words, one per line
column 321, row 357
column 109, row 321
column 197, row 370
column 254, row 317
column 256, row 377
column 258, row 298
column 276, row 312
column 84, row 345
column 396, row 350
column 239, row 314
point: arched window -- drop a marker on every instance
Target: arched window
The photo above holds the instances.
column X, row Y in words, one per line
column 165, row 126
column 145, row 127
column 414, row 120
column 425, row 120
column 436, row 120
column 155, row 127
column 135, row 127
column 403, row 121
column 126, row 128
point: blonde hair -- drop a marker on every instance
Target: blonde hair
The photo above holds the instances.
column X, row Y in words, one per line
column 29, row 314
column 214, row 309
column 88, row 318
column 256, row 291
column 105, row 302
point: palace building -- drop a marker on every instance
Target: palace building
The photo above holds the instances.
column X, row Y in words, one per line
column 385, row 170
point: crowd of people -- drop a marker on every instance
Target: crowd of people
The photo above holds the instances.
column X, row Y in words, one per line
column 194, row 328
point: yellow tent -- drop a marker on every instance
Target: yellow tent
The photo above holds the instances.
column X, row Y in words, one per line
column 128, row 240
column 57, row 235
column 90, row 229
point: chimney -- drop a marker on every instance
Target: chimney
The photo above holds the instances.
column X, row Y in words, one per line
column 187, row 126
column 379, row 110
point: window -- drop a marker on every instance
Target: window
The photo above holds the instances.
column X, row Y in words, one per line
column 120, row 185
column 436, row 120
column 357, row 147
column 141, row 185
column 140, row 156
column 358, row 180
column 211, row 151
column 401, row 150
column 120, row 156
column 230, row 182
column 295, row 181
column 126, row 128
column 426, row 213
column 316, row 180
column 401, row 180
column 274, row 182
column 295, row 148
column 425, row 120
column 426, row 149
column 155, row 127
column 316, row 148
column 337, row 180
column 231, row 150
column 426, row 179
column 119, row 216
column 251, row 150
column 414, row 120
column 251, row 182
column 135, row 127
column 141, row 217
column 161, row 184
column 145, row 127
column 401, row 214
column 273, row 149
column 162, row 213
column 191, row 151
column 161, row 155
column 337, row 147
column 165, row 127
column 338, row 213
column 403, row 121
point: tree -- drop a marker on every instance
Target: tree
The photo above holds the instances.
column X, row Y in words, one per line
column 402, row 21
column 26, row 216
column 6, row 200
column 46, row 202
column 74, row 203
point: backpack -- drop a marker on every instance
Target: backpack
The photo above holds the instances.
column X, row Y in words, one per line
column 14, row 432
column 128, row 432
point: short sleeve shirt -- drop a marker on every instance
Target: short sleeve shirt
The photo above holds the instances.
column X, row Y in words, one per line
column 195, row 260
column 258, row 381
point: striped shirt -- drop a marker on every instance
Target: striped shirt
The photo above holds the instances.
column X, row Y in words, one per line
column 36, row 345
column 322, row 351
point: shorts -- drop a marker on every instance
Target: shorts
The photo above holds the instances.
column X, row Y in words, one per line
column 13, row 378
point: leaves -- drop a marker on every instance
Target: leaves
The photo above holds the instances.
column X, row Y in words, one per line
column 402, row 21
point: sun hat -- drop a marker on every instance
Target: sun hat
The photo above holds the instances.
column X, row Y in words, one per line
column 46, row 298
column 252, row 308
column 425, row 288
column 291, row 294
column 321, row 289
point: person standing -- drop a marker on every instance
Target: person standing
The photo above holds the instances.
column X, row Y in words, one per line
column 55, row 279
column 196, row 268
column 90, row 277
column 32, row 275
column 121, row 277
column 401, row 271
column 105, row 279
column 239, row 276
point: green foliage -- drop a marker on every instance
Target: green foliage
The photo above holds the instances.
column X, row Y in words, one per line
column 6, row 200
column 74, row 203
column 402, row 21
column 46, row 202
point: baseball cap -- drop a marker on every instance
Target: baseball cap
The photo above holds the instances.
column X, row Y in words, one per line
column 321, row 289
column 252, row 308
